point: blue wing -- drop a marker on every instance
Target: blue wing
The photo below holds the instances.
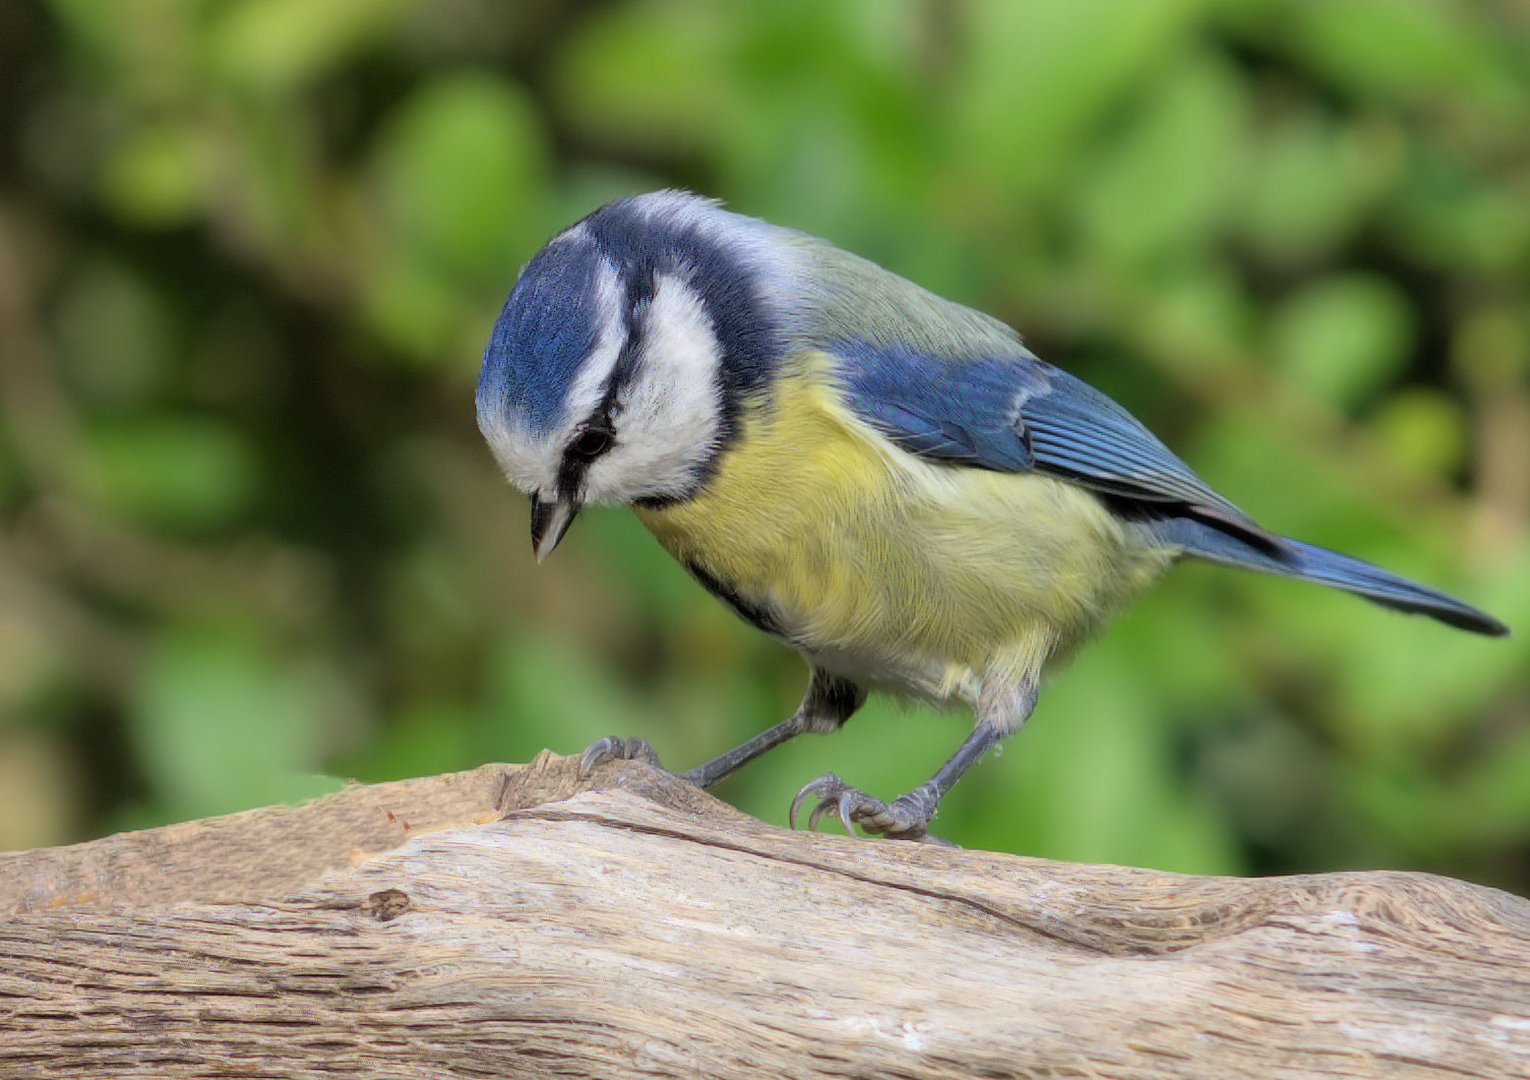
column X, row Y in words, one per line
column 1018, row 414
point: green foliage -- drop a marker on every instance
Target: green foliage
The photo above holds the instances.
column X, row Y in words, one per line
column 218, row 723
column 250, row 252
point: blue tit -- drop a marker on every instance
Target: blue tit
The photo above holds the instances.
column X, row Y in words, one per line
column 890, row 483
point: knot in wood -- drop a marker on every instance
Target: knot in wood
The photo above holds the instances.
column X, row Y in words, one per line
column 387, row 905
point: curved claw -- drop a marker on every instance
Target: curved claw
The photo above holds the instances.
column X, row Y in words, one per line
column 833, row 794
column 906, row 818
column 800, row 798
column 841, row 805
column 827, row 789
column 614, row 748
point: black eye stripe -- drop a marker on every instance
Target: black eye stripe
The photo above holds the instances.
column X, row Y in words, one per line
column 590, row 440
column 590, row 443
column 597, row 435
column 641, row 283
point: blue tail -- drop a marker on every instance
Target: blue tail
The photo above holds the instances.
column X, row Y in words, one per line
column 1311, row 563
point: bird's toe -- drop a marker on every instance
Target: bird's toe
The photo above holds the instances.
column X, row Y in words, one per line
column 905, row 818
column 827, row 789
column 614, row 748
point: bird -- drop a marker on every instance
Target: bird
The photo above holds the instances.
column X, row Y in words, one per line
column 884, row 480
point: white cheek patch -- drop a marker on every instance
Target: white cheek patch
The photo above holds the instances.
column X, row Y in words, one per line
column 670, row 415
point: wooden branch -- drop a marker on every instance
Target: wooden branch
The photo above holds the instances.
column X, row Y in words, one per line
column 512, row 921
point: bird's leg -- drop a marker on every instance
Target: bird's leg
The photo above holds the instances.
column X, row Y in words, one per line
column 829, row 702
column 908, row 816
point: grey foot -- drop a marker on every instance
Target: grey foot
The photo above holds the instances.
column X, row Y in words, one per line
column 905, row 818
column 612, row 748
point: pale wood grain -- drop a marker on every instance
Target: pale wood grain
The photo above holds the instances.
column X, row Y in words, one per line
column 513, row 921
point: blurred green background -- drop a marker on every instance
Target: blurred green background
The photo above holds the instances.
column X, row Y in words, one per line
column 250, row 251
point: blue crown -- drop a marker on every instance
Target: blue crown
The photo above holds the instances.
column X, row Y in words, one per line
column 549, row 324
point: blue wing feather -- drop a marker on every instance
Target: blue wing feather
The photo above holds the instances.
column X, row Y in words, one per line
column 1019, row 414
column 915, row 401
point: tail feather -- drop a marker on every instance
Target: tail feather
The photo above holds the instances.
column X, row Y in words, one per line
column 1309, row 562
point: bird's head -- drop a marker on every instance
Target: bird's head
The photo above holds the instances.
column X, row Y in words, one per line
column 615, row 369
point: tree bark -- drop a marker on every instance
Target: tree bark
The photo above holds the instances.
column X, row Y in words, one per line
column 517, row 921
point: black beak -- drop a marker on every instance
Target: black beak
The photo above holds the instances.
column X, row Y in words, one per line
column 550, row 519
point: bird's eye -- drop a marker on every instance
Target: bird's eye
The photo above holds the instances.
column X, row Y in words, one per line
column 590, row 443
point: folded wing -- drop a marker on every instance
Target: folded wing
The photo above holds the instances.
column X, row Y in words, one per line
column 1019, row 414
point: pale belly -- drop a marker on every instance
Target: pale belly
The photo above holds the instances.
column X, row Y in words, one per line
column 897, row 572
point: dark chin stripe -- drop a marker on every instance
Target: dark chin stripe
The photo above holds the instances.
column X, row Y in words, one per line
column 756, row 615
column 661, row 502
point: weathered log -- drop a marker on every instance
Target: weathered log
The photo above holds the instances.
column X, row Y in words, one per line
column 514, row 921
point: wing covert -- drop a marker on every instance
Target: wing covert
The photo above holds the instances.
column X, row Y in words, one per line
column 1019, row 414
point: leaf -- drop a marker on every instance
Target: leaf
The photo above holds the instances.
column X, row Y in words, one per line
column 1164, row 184
column 1342, row 337
column 159, row 176
column 1036, row 76
column 221, row 724
column 280, row 46
column 458, row 169
column 183, row 471
column 1397, row 50
column 649, row 75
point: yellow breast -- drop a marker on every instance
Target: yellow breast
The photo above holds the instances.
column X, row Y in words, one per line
column 894, row 569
